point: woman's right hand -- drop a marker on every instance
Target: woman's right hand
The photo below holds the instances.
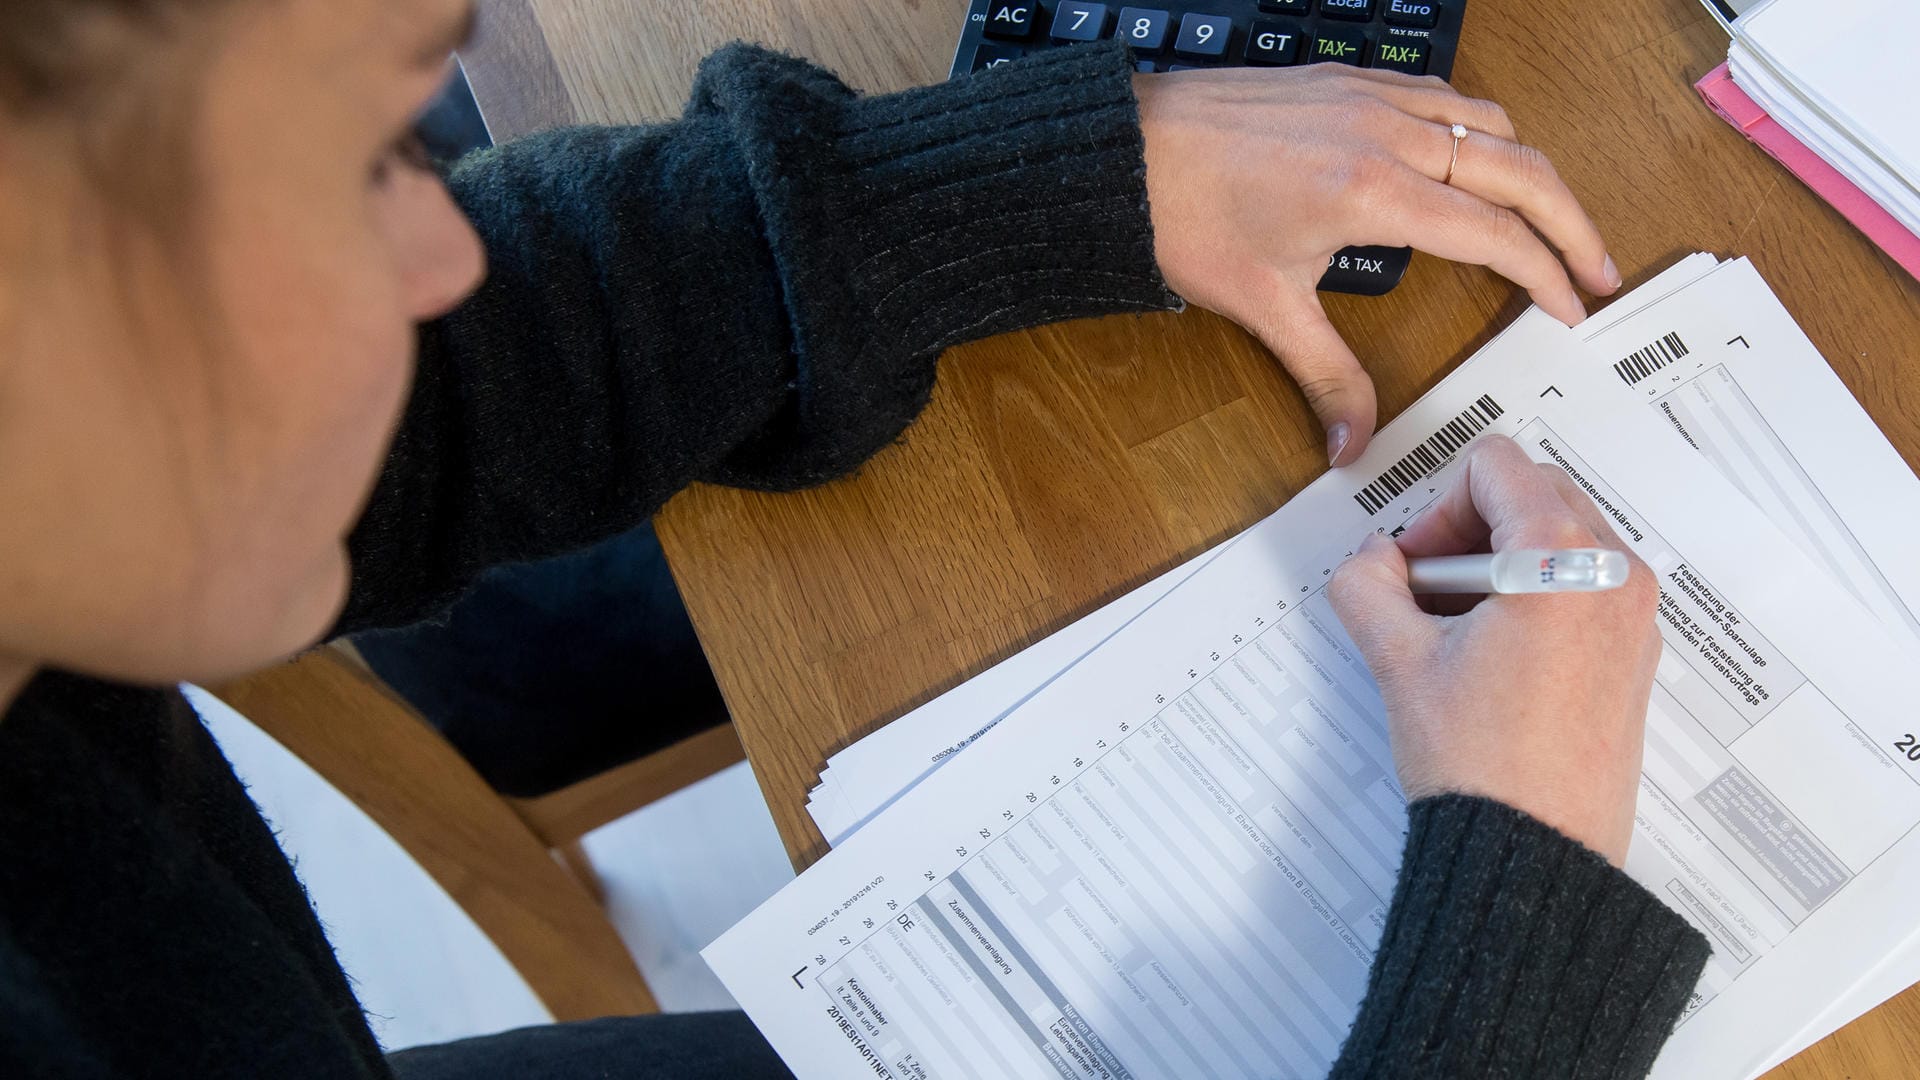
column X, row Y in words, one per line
column 1538, row 701
column 1256, row 176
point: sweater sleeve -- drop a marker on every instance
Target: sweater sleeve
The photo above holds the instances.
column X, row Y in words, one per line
column 1513, row 951
column 753, row 295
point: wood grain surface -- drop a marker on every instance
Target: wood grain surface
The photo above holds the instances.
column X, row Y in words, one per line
column 1059, row 467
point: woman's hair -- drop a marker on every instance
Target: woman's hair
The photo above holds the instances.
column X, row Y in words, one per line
column 115, row 74
column 54, row 51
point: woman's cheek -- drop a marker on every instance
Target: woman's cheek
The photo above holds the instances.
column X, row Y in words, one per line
column 377, row 363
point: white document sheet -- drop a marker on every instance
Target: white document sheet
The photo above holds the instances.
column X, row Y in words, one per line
column 864, row 778
column 1731, row 374
column 1175, row 860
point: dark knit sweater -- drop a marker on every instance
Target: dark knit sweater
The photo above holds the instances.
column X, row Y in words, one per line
column 754, row 295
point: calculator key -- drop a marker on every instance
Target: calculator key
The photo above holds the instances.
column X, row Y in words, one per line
column 1401, row 54
column 1286, row 7
column 1357, row 10
column 1185, row 67
column 1273, row 44
column 1340, row 45
column 1203, row 37
column 1079, row 22
column 1144, row 67
column 989, row 56
column 1143, row 28
column 1424, row 13
column 1012, row 19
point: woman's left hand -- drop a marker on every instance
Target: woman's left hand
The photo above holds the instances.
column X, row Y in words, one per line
column 1256, row 177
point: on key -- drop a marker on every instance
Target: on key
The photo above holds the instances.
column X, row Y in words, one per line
column 1074, row 21
column 1012, row 19
column 1143, row 28
column 1203, row 37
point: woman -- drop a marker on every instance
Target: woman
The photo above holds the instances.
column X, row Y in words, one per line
column 221, row 437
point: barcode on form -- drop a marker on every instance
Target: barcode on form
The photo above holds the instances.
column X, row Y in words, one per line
column 1645, row 362
column 1427, row 458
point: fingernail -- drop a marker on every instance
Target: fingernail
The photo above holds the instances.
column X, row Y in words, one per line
column 1612, row 273
column 1337, row 436
column 1576, row 309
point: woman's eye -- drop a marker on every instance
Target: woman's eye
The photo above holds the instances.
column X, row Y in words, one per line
column 410, row 151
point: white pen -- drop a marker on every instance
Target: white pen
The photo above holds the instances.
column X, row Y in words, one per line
column 1527, row 570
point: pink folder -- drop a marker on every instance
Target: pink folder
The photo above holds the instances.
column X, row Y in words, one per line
column 1736, row 108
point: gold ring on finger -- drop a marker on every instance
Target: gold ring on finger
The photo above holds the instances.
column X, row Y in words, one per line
column 1459, row 133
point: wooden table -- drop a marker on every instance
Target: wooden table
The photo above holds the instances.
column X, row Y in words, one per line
column 1058, row 467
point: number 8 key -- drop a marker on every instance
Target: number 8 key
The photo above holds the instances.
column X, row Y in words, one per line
column 1145, row 29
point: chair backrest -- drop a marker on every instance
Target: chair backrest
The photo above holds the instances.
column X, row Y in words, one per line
column 493, row 855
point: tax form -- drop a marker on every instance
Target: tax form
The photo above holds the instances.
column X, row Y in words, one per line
column 866, row 777
column 1176, row 858
column 1732, row 376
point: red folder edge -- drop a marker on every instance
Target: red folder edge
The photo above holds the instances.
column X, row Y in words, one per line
column 1734, row 106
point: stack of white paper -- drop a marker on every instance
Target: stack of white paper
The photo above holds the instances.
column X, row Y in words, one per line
column 1839, row 76
column 1173, row 854
column 1729, row 10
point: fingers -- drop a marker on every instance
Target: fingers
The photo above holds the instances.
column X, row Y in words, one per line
column 1601, row 526
column 1369, row 592
column 1579, row 501
column 1498, row 498
column 1518, row 177
column 1432, row 100
column 1337, row 388
column 1494, row 165
column 1463, row 227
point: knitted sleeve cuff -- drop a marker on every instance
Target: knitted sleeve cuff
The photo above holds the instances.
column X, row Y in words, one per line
column 939, row 215
column 1020, row 198
column 1512, row 950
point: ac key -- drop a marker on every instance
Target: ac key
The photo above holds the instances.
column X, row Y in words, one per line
column 1012, row 20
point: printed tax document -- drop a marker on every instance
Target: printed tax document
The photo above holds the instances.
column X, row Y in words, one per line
column 1176, row 858
column 1727, row 369
column 1736, row 379
column 1723, row 364
column 864, row 778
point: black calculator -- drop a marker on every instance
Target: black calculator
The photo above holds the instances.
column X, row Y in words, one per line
column 1414, row 36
